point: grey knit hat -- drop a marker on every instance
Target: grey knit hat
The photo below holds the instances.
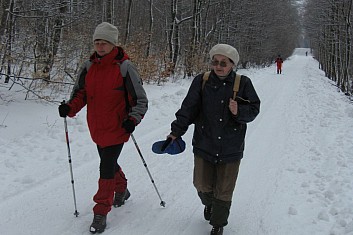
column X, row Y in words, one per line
column 107, row 32
column 226, row 50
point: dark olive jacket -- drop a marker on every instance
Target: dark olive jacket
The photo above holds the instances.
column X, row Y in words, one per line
column 218, row 134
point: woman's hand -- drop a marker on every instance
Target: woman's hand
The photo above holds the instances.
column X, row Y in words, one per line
column 233, row 106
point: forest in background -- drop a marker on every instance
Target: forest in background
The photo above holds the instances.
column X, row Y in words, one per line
column 43, row 42
column 328, row 25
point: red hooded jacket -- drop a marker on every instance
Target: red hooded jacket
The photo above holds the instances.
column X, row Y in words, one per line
column 101, row 88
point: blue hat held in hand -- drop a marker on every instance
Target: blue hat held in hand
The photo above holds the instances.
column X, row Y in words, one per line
column 168, row 146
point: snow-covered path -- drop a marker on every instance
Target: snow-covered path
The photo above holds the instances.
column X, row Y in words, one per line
column 295, row 178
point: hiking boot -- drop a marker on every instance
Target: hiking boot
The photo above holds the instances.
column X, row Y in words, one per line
column 98, row 224
column 120, row 198
column 217, row 230
column 207, row 212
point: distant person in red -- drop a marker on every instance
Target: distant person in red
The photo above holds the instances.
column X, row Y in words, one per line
column 279, row 62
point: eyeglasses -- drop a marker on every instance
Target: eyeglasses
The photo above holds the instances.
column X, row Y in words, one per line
column 220, row 63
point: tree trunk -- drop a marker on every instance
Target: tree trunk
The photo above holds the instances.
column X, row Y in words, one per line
column 128, row 22
column 10, row 21
column 150, row 31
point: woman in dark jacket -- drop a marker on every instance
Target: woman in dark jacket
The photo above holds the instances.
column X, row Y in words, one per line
column 220, row 128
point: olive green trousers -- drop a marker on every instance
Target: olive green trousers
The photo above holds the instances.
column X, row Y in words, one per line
column 215, row 184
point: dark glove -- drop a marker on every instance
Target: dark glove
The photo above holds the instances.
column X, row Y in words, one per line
column 64, row 110
column 166, row 143
column 129, row 125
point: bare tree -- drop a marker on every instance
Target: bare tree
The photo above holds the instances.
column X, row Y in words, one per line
column 9, row 26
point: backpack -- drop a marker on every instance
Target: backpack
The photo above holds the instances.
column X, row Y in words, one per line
column 236, row 82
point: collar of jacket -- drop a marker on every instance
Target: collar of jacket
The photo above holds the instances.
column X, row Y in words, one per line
column 229, row 78
column 117, row 55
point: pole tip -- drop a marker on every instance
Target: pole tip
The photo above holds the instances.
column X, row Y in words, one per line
column 162, row 203
column 76, row 213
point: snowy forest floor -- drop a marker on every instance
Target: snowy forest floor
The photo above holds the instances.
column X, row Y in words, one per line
column 296, row 176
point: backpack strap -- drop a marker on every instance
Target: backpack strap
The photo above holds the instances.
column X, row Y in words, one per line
column 205, row 78
column 236, row 85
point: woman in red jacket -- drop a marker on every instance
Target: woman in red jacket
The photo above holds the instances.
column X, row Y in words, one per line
column 109, row 84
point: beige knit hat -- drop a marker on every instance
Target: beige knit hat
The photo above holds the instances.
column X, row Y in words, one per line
column 226, row 50
column 107, row 32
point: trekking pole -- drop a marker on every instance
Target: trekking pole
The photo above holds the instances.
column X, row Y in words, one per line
column 69, row 156
column 144, row 163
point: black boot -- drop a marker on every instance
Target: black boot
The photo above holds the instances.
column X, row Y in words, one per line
column 120, row 198
column 220, row 213
column 99, row 223
column 207, row 212
column 217, row 230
